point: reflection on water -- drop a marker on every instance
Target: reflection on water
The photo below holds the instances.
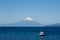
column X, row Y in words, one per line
column 43, row 38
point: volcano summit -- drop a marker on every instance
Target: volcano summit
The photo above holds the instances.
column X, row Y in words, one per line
column 27, row 22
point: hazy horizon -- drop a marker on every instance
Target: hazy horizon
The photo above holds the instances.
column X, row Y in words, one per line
column 43, row 11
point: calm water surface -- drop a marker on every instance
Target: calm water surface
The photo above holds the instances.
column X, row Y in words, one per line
column 29, row 33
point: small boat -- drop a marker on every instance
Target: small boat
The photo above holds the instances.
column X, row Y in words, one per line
column 41, row 33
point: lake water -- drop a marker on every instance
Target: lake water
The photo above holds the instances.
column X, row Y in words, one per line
column 29, row 33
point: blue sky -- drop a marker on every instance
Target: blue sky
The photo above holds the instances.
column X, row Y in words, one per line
column 43, row 11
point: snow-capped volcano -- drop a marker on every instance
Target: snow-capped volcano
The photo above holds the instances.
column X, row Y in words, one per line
column 28, row 19
column 27, row 22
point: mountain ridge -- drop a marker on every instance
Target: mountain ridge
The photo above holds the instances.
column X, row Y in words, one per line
column 54, row 25
column 24, row 23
